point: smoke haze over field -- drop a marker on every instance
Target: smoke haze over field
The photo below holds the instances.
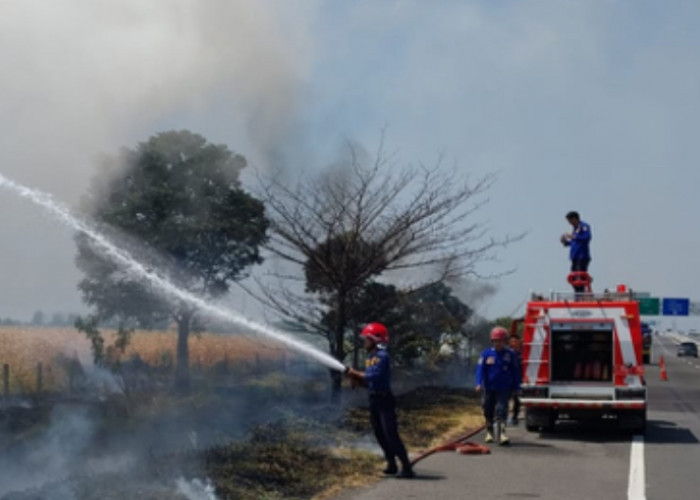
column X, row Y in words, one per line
column 82, row 78
column 585, row 105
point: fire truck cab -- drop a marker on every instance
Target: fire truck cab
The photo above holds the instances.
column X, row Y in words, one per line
column 582, row 359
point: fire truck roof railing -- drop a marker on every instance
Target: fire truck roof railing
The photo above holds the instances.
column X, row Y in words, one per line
column 605, row 296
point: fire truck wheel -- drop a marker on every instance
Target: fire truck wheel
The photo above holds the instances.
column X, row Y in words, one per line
column 634, row 422
column 642, row 422
column 539, row 420
column 551, row 422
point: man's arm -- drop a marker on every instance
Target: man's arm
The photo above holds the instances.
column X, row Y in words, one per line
column 583, row 233
column 372, row 373
column 480, row 373
column 517, row 373
column 356, row 377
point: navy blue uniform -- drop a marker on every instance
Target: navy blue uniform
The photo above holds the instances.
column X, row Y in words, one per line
column 498, row 373
column 382, row 407
column 579, row 250
column 515, row 395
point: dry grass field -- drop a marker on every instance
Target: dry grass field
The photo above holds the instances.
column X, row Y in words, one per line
column 22, row 348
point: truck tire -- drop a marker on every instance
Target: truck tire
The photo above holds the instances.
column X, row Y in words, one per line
column 539, row 420
column 531, row 421
column 634, row 422
column 551, row 422
column 642, row 427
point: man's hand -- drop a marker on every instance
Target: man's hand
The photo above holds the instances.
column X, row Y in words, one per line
column 357, row 378
column 354, row 374
column 565, row 239
column 478, row 389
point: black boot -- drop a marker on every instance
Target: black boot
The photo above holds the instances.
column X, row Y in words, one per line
column 406, row 472
column 391, row 468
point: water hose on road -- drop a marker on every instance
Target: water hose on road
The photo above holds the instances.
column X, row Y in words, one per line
column 461, row 445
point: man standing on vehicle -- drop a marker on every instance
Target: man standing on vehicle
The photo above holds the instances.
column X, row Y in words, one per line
column 578, row 241
column 497, row 375
column 382, row 406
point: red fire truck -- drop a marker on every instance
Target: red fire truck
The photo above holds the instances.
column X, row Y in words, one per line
column 582, row 358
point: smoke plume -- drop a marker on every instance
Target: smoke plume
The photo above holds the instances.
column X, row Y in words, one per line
column 81, row 78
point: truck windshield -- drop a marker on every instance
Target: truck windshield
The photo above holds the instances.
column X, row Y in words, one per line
column 581, row 352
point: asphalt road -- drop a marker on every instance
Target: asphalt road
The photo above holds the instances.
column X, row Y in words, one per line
column 579, row 462
column 673, row 439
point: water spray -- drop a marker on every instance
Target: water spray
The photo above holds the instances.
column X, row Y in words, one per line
column 125, row 260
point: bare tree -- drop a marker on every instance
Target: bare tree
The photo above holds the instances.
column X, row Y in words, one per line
column 364, row 217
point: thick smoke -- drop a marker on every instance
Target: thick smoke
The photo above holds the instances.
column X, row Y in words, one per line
column 81, row 78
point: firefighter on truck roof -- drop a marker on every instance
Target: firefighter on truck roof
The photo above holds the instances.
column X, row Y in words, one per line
column 578, row 241
column 497, row 376
column 382, row 406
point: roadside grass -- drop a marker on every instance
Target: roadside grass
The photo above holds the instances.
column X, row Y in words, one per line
column 285, row 461
column 303, row 459
column 427, row 415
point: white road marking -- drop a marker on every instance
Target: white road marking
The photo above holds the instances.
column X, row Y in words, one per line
column 636, row 488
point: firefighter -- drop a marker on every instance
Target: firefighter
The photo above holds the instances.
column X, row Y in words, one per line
column 382, row 405
column 516, row 345
column 497, row 375
column 578, row 241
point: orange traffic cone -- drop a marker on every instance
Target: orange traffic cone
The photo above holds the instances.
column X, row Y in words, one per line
column 662, row 364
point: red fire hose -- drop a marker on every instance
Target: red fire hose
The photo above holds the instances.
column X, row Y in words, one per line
column 461, row 445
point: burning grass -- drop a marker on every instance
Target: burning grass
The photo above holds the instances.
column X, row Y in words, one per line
column 295, row 459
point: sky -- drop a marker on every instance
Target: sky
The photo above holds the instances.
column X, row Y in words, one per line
column 576, row 105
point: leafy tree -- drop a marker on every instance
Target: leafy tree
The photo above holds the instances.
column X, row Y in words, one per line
column 38, row 318
column 428, row 316
column 504, row 321
column 418, row 320
column 176, row 202
column 58, row 319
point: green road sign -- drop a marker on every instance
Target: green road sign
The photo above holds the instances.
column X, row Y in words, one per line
column 649, row 306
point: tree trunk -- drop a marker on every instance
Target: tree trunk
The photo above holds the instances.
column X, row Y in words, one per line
column 339, row 346
column 182, row 368
column 356, row 349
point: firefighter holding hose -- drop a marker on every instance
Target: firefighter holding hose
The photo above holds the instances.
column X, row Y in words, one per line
column 382, row 406
column 497, row 377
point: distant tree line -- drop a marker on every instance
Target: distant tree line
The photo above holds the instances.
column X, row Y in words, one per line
column 41, row 318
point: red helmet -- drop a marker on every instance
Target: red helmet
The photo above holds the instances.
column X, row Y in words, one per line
column 499, row 333
column 377, row 332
